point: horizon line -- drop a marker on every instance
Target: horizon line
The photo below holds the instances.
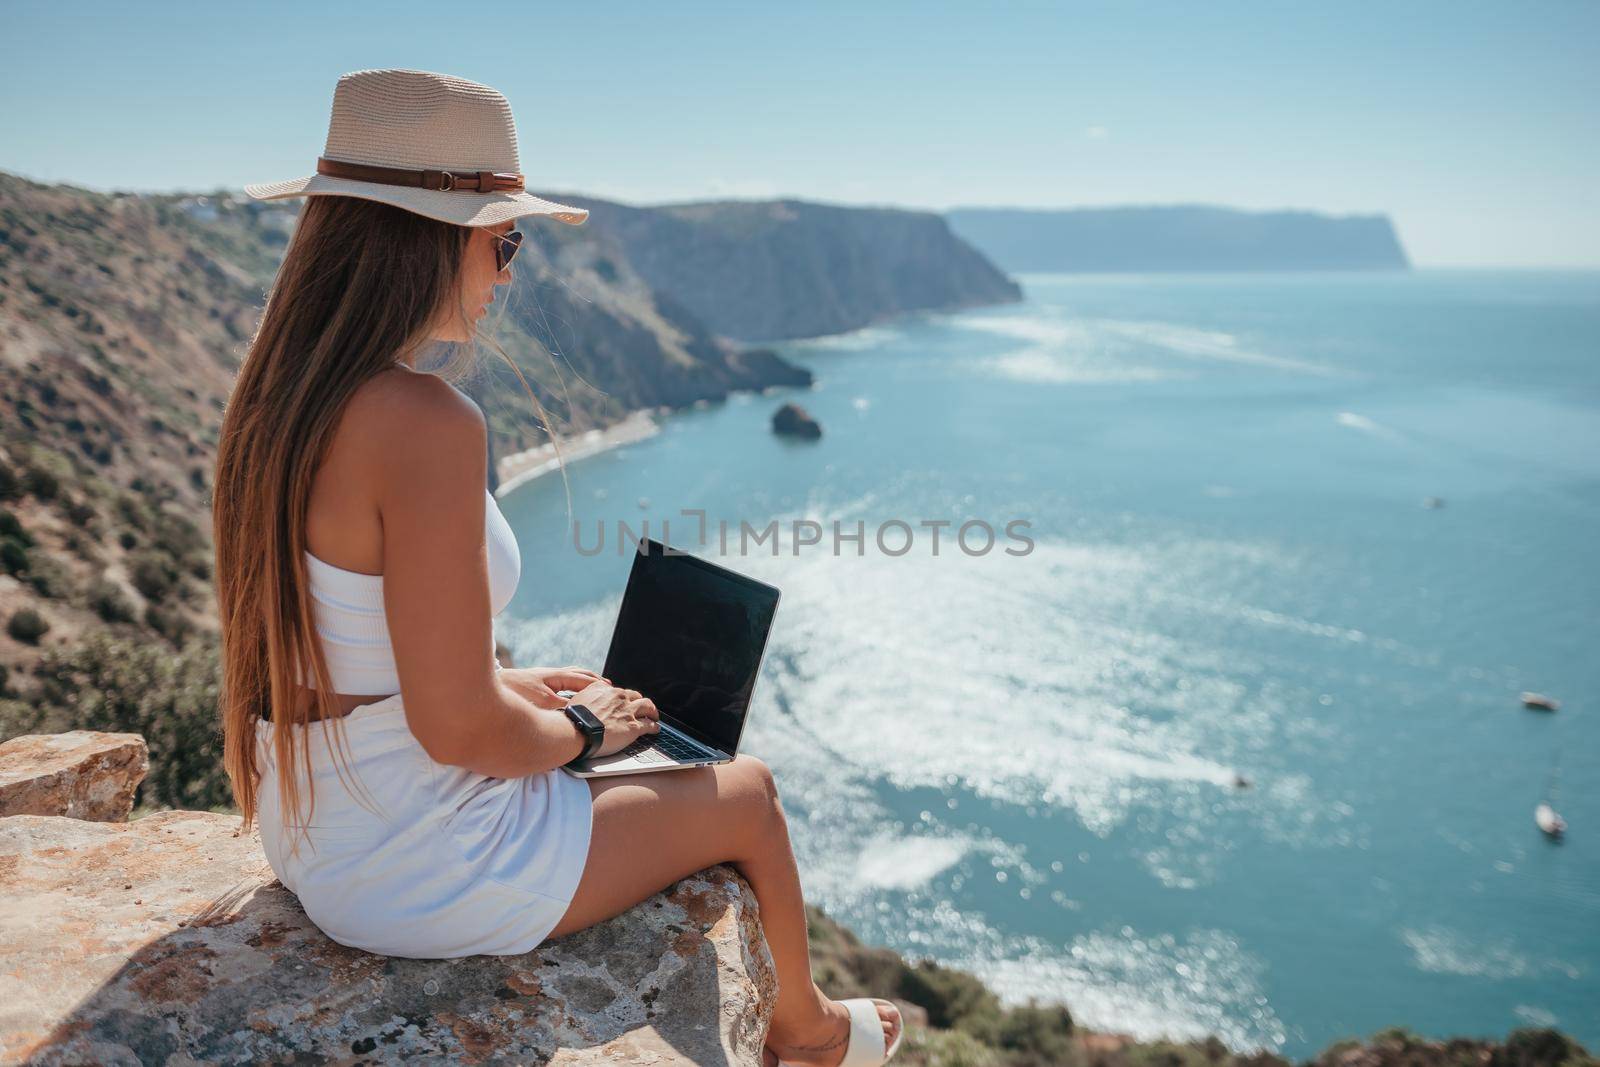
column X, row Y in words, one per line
column 1110, row 206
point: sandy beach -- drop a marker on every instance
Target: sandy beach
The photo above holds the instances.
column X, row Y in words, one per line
column 520, row 468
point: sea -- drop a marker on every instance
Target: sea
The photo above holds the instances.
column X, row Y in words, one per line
column 1218, row 729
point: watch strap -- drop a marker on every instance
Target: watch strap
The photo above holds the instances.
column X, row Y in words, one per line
column 593, row 730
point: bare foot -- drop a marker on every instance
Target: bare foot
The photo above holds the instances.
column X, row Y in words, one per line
column 825, row 1045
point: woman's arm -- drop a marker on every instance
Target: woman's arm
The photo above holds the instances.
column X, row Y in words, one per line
column 431, row 469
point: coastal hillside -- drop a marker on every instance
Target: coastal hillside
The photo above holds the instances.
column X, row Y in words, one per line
column 770, row 270
column 121, row 326
column 1178, row 238
column 123, row 319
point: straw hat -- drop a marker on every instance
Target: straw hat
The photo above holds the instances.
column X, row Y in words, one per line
column 439, row 146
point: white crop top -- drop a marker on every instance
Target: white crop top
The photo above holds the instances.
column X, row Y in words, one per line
column 348, row 606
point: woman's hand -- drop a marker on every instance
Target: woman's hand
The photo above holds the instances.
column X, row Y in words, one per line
column 625, row 713
column 542, row 685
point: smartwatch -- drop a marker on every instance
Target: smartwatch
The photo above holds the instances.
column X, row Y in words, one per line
column 593, row 730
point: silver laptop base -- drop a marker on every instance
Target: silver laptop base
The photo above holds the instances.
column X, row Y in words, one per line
column 648, row 760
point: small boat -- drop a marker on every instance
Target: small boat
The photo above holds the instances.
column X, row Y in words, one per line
column 1540, row 702
column 1548, row 821
column 1545, row 815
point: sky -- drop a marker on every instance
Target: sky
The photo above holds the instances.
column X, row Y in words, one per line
column 1474, row 126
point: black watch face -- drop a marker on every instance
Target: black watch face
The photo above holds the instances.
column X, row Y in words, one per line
column 588, row 718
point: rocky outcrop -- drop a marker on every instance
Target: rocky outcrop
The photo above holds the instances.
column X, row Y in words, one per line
column 792, row 420
column 169, row 940
column 83, row 774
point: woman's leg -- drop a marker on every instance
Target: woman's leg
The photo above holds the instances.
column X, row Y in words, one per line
column 650, row 830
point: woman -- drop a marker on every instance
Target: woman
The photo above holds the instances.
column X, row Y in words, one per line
column 360, row 559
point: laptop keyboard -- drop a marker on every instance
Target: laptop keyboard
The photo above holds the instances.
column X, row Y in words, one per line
column 664, row 747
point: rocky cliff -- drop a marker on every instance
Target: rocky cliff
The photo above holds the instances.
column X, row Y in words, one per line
column 779, row 269
column 596, row 340
column 1179, row 238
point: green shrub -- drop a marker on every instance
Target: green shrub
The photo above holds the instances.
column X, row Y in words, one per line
column 5, row 678
column 169, row 622
column 18, row 717
column 134, row 685
column 128, row 539
column 1043, row 1030
column 13, row 555
column 42, row 483
column 153, row 574
column 176, row 535
column 48, row 577
column 1166, row 1054
column 80, row 513
column 10, row 484
column 952, row 998
column 83, row 546
column 11, row 526
column 27, row 626
column 952, row 1048
column 1531, row 1047
column 107, row 600
column 133, row 512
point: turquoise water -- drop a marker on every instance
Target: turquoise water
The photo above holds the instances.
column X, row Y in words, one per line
column 1025, row 764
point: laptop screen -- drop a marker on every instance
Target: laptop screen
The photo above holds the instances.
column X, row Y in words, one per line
column 690, row 636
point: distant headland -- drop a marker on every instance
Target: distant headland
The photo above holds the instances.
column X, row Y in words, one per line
column 1178, row 238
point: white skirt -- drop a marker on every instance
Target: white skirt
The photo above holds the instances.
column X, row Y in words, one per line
column 451, row 862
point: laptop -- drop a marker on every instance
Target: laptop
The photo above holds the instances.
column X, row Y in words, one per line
column 691, row 636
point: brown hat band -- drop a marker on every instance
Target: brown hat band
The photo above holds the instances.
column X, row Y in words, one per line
column 458, row 181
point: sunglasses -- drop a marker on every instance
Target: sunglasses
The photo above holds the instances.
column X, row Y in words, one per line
column 505, row 248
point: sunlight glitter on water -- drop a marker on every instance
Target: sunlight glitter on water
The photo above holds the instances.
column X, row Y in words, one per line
column 873, row 633
column 1170, row 767
column 1103, row 349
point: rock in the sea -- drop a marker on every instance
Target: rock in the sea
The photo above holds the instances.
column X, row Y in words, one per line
column 168, row 940
column 83, row 774
column 794, row 421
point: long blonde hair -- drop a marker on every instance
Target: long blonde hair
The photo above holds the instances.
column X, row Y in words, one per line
column 360, row 285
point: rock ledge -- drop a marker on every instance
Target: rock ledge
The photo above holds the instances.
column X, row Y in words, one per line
column 168, row 939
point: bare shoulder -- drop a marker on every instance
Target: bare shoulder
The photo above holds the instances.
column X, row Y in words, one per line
column 413, row 424
column 424, row 401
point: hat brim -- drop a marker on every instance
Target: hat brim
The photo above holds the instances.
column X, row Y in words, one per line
column 463, row 209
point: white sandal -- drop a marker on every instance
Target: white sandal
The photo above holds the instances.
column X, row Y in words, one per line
column 865, row 1046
